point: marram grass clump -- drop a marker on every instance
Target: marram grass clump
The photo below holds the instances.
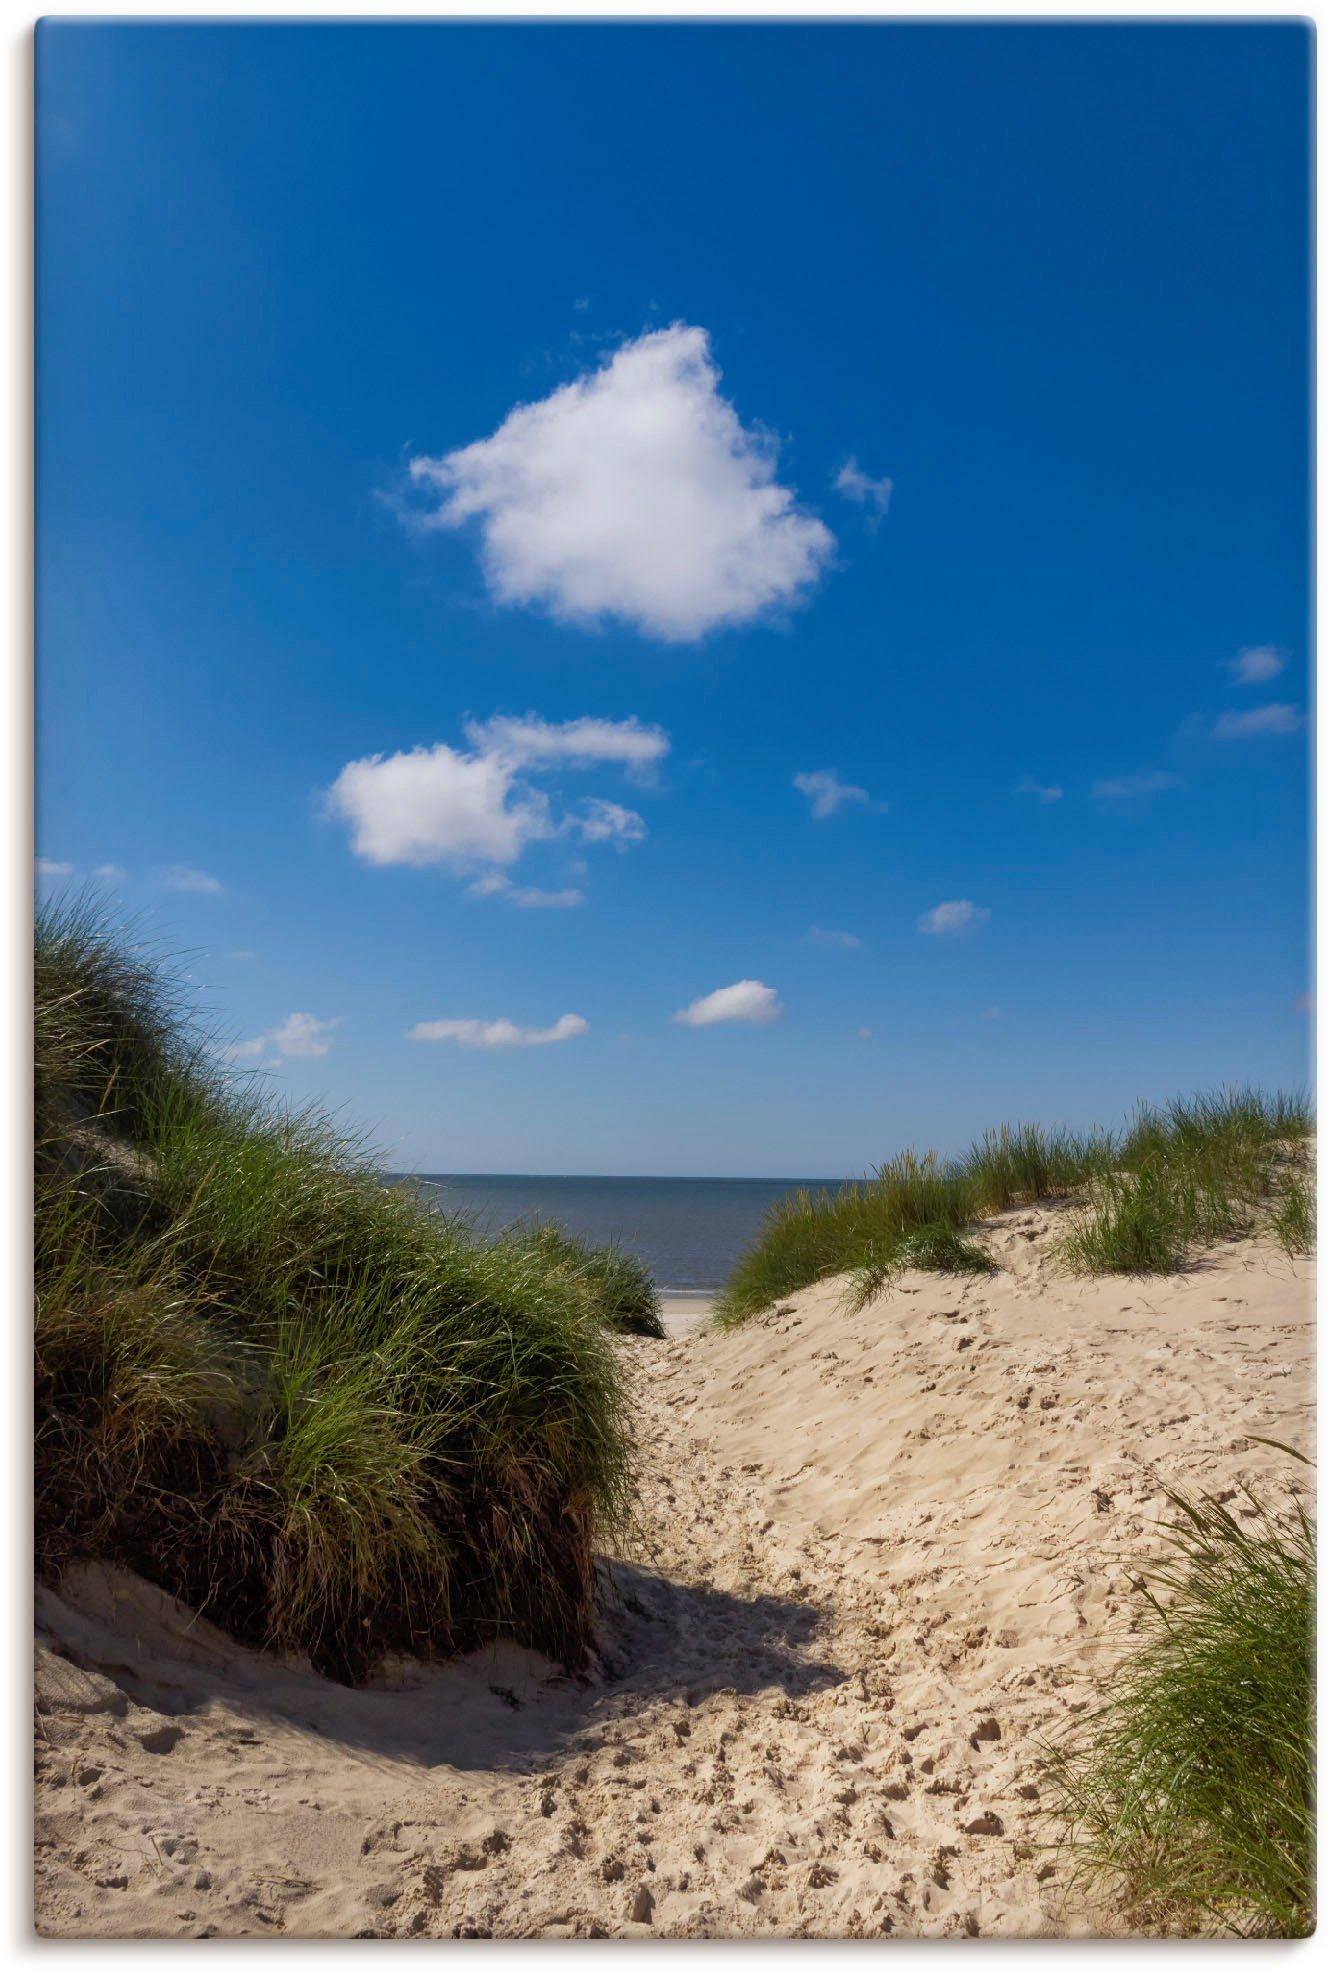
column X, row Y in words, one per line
column 279, row 1386
column 1140, row 1201
column 1187, row 1794
column 620, row 1286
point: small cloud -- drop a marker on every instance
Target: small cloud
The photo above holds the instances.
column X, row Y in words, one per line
column 303, row 1036
column 192, row 882
column 872, row 494
column 240, row 957
column 246, row 1050
column 499, row 1033
column 479, row 808
column 581, row 304
column 1256, row 664
column 633, row 493
column 747, row 1000
column 525, row 898
column 300, row 1037
column 110, row 872
column 1262, row 719
column 1045, row 795
column 1134, row 786
column 864, row 1033
column 834, row 940
column 992, row 1013
column 53, row 872
column 826, row 792
column 1303, row 1002
column 948, row 920
column 607, row 821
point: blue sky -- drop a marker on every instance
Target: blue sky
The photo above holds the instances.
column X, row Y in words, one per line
column 465, row 745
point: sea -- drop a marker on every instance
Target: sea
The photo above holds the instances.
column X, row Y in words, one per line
column 688, row 1231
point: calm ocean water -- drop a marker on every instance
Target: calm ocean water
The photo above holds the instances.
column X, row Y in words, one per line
column 687, row 1230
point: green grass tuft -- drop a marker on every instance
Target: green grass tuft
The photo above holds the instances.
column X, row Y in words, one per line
column 1176, row 1178
column 1187, row 1794
column 621, row 1287
column 276, row 1384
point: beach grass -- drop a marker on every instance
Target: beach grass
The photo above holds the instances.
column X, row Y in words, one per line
column 620, row 1285
column 280, row 1386
column 1141, row 1200
column 1187, row 1793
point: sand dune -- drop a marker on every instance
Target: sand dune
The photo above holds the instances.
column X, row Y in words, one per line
column 880, row 1556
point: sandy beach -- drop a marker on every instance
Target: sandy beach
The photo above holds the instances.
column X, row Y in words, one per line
column 880, row 1558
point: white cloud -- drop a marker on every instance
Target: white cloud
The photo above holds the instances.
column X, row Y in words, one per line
column 110, row 872
column 193, row 882
column 952, row 918
column 532, row 741
column 826, row 792
column 435, row 805
column 303, row 1036
column 1134, row 786
column 634, row 493
column 1263, row 718
column 1045, row 795
column 748, row 1000
column 440, row 805
column 607, row 821
column 837, row 940
column 1256, row 664
column 524, row 897
column 300, row 1037
column 246, row 1050
column 499, row 1033
column 53, row 872
column 872, row 494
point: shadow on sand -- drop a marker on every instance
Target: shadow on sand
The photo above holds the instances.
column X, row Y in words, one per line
column 500, row 1709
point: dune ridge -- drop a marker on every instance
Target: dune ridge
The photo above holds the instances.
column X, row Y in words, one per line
column 881, row 1555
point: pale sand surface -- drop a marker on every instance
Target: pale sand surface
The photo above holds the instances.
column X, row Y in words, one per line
column 681, row 1313
column 880, row 1556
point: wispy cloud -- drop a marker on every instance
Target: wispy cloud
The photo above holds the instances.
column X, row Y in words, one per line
column 1047, row 796
column 872, row 494
column 747, row 999
column 499, row 1033
column 51, row 871
column 633, row 493
column 826, row 792
column 479, row 809
column 834, row 940
column 1256, row 664
column 109, row 872
column 1262, row 719
column 949, row 920
column 1135, row 786
column 299, row 1037
column 524, row 896
column 192, row 882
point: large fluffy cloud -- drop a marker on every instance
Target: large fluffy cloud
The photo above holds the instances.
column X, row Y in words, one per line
column 499, row 1033
column 478, row 809
column 634, row 492
column 747, row 999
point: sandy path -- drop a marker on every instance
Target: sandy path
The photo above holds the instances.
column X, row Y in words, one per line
column 879, row 1556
